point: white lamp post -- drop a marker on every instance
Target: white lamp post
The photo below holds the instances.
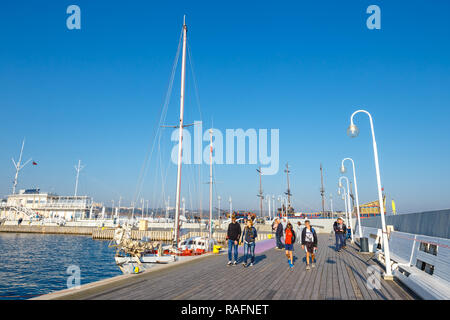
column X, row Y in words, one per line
column 268, row 202
column 350, row 222
column 331, row 205
column 356, row 191
column 273, row 206
column 343, row 197
column 353, row 132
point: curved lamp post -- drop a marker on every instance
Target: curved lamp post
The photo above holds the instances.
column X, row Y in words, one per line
column 356, row 191
column 343, row 197
column 331, row 205
column 350, row 222
column 353, row 132
column 268, row 202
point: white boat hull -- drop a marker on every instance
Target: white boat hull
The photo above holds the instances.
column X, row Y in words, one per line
column 130, row 265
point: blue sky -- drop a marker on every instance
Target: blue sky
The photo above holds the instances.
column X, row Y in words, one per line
column 301, row 67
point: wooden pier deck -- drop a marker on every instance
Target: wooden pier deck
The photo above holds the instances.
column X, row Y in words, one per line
column 337, row 276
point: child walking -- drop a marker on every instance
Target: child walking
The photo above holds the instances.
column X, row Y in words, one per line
column 289, row 244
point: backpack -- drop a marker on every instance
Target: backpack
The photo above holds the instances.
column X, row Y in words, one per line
column 290, row 236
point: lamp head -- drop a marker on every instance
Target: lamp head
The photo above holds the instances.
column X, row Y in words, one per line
column 340, row 184
column 352, row 131
column 339, row 191
column 343, row 169
column 343, row 198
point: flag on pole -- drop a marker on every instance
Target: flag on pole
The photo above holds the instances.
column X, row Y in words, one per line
column 34, row 163
column 393, row 207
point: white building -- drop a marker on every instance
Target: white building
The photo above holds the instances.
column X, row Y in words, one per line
column 32, row 204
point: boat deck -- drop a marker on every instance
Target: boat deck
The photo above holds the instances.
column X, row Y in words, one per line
column 336, row 276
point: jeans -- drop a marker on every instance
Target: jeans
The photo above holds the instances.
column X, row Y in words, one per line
column 279, row 243
column 340, row 241
column 231, row 247
column 249, row 248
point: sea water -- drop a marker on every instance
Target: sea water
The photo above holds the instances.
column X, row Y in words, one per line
column 36, row 264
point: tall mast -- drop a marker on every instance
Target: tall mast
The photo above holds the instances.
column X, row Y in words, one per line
column 322, row 191
column 77, row 169
column 260, row 195
column 180, row 138
column 210, row 182
column 18, row 167
column 288, row 192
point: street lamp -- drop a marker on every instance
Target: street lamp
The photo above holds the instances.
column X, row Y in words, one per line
column 273, row 206
column 268, row 202
column 281, row 205
column 331, row 205
column 343, row 170
column 353, row 132
column 343, row 197
column 348, row 204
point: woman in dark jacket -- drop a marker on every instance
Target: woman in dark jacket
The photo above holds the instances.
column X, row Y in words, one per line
column 249, row 237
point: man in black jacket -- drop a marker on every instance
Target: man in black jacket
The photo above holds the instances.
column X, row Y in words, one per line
column 279, row 234
column 340, row 230
column 233, row 235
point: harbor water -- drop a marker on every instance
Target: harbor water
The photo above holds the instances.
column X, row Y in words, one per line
column 36, row 264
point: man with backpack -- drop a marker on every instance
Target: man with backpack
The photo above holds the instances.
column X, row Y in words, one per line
column 289, row 244
column 309, row 243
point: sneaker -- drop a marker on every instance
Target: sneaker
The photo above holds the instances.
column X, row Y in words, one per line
column 313, row 265
column 234, row 263
column 307, row 267
column 229, row 263
column 244, row 264
column 251, row 264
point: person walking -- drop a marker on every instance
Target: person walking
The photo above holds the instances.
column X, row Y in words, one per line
column 279, row 234
column 299, row 230
column 309, row 243
column 248, row 238
column 289, row 244
column 233, row 235
column 339, row 231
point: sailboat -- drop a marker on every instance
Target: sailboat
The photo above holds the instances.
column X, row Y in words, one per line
column 133, row 256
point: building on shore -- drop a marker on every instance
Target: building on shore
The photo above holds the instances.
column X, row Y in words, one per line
column 32, row 204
